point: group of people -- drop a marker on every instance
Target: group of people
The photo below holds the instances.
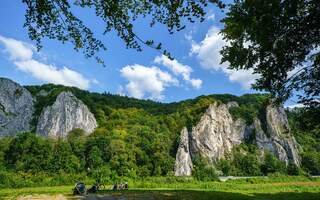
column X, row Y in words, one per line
column 120, row 187
column 81, row 189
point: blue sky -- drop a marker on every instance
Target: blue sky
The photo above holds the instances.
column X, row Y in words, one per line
column 147, row 74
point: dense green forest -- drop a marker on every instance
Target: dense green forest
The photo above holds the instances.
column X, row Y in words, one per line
column 139, row 138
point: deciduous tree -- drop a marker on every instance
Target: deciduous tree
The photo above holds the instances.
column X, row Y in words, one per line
column 278, row 39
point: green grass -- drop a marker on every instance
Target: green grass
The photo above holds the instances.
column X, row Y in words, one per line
column 15, row 192
column 259, row 188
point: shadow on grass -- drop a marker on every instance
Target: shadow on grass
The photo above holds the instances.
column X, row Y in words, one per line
column 201, row 195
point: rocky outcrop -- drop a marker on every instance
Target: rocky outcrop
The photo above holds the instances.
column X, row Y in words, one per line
column 183, row 164
column 216, row 133
column 67, row 113
column 16, row 108
column 278, row 138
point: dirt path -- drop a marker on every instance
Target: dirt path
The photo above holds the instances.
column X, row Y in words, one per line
column 43, row 196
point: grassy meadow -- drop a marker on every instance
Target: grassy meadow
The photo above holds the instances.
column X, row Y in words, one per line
column 185, row 188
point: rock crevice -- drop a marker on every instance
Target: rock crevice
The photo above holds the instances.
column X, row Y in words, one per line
column 278, row 139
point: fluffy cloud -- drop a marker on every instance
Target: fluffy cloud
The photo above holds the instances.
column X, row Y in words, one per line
column 17, row 50
column 21, row 54
column 179, row 70
column 151, row 82
column 207, row 51
column 146, row 82
column 51, row 74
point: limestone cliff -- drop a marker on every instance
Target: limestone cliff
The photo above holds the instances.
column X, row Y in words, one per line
column 16, row 108
column 278, row 138
column 217, row 133
column 183, row 164
column 67, row 113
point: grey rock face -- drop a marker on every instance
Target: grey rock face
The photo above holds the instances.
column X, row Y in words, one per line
column 16, row 108
column 277, row 120
column 262, row 141
column 278, row 138
column 216, row 133
column 67, row 113
column 183, row 164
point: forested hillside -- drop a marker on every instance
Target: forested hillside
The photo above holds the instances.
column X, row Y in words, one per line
column 139, row 138
column 305, row 125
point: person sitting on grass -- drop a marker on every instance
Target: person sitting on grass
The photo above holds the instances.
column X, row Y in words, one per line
column 79, row 188
column 121, row 186
column 93, row 189
column 126, row 186
column 115, row 187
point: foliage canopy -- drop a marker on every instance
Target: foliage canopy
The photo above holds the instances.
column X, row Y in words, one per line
column 278, row 39
column 55, row 19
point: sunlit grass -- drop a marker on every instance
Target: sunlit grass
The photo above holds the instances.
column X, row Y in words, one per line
column 261, row 188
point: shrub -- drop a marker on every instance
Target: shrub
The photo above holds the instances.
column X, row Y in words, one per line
column 224, row 166
column 311, row 162
column 207, row 173
column 293, row 169
column 102, row 174
column 248, row 164
column 204, row 170
column 272, row 165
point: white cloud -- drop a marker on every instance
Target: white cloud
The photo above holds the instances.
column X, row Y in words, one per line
column 21, row 54
column 49, row 73
column 189, row 35
column 151, row 82
column 17, row 50
column 211, row 17
column 244, row 77
column 121, row 91
column 298, row 105
column 179, row 70
column 196, row 83
column 146, row 82
column 95, row 81
column 208, row 53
